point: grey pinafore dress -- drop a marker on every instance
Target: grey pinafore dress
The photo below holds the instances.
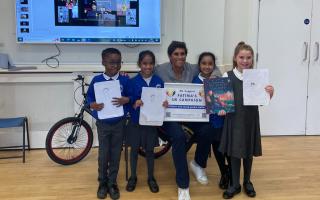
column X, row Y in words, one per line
column 241, row 132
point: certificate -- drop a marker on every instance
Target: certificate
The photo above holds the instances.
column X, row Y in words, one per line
column 254, row 83
column 152, row 111
column 105, row 92
column 186, row 102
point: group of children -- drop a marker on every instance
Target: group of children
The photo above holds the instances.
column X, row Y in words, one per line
column 233, row 136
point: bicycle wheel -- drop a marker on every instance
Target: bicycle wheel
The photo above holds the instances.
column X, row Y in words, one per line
column 164, row 145
column 65, row 149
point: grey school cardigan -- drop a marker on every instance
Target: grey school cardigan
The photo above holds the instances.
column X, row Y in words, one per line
column 165, row 72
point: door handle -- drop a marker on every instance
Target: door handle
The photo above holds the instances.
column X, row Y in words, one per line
column 305, row 44
column 316, row 44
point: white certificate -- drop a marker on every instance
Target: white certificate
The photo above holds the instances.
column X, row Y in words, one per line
column 152, row 111
column 254, row 83
column 105, row 92
column 186, row 102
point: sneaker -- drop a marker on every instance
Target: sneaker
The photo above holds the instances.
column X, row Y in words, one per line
column 198, row 172
column 102, row 191
column 183, row 194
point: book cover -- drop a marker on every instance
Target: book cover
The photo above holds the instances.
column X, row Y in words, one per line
column 218, row 95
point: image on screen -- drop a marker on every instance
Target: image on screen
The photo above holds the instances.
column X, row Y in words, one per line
column 116, row 13
column 88, row 21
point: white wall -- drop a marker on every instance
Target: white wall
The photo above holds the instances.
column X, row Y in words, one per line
column 181, row 20
column 237, row 26
column 205, row 25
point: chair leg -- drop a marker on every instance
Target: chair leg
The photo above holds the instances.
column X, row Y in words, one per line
column 28, row 138
column 23, row 144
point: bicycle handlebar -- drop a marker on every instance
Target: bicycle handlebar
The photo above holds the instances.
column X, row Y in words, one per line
column 79, row 78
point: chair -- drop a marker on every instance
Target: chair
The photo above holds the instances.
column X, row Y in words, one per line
column 16, row 122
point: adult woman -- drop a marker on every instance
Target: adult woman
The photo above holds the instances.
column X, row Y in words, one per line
column 178, row 71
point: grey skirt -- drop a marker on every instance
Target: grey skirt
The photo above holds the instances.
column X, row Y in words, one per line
column 145, row 137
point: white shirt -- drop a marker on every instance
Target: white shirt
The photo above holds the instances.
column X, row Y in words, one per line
column 211, row 76
column 236, row 72
column 147, row 80
column 201, row 77
column 115, row 77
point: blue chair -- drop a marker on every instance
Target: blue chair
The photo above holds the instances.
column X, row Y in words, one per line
column 16, row 122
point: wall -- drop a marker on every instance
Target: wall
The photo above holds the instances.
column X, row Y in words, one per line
column 205, row 25
column 181, row 20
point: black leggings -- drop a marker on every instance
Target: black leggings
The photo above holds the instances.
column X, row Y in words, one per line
column 220, row 158
column 235, row 170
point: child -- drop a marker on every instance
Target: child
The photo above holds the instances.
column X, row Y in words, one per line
column 241, row 137
column 142, row 136
column 208, row 133
column 110, row 131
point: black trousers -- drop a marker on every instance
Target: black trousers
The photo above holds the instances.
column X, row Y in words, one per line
column 110, row 144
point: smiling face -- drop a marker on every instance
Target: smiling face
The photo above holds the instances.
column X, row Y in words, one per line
column 244, row 60
column 112, row 64
column 146, row 65
column 206, row 66
column 178, row 58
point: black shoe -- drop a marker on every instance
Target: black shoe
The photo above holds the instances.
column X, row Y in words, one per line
column 153, row 186
column 102, row 191
column 113, row 191
column 249, row 189
column 229, row 193
column 131, row 185
column 224, row 181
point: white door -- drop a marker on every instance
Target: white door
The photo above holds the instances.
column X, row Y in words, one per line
column 283, row 48
column 313, row 106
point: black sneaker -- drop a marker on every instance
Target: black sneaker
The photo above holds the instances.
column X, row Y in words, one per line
column 113, row 191
column 153, row 186
column 249, row 189
column 131, row 185
column 102, row 191
column 230, row 192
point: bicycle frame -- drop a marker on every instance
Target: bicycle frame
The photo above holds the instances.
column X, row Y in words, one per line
column 84, row 108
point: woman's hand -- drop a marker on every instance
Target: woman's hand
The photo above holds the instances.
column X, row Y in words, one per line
column 96, row 106
column 222, row 113
column 270, row 90
column 119, row 101
column 137, row 104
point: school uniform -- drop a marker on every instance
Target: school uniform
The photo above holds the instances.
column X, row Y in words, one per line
column 110, row 132
column 241, row 134
column 137, row 135
column 143, row 136
column 240, row 138
column 207, row 134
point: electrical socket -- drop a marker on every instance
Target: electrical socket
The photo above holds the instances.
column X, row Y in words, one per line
column 1, row 44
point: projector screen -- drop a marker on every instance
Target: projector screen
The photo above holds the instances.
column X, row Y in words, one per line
column 88, row 21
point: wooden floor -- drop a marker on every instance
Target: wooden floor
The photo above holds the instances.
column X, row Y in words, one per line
column 288, row 170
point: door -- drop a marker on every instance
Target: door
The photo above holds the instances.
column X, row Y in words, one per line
column 313, row 103
column 283, row 48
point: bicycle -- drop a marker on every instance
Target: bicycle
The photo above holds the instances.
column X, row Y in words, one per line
column 70, row 139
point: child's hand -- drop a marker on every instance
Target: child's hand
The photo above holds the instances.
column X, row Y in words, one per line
column 222, row 113
column 270, row 90
column 96, row 106
column 119, row 101
column 165, row 104
column 137, row 104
